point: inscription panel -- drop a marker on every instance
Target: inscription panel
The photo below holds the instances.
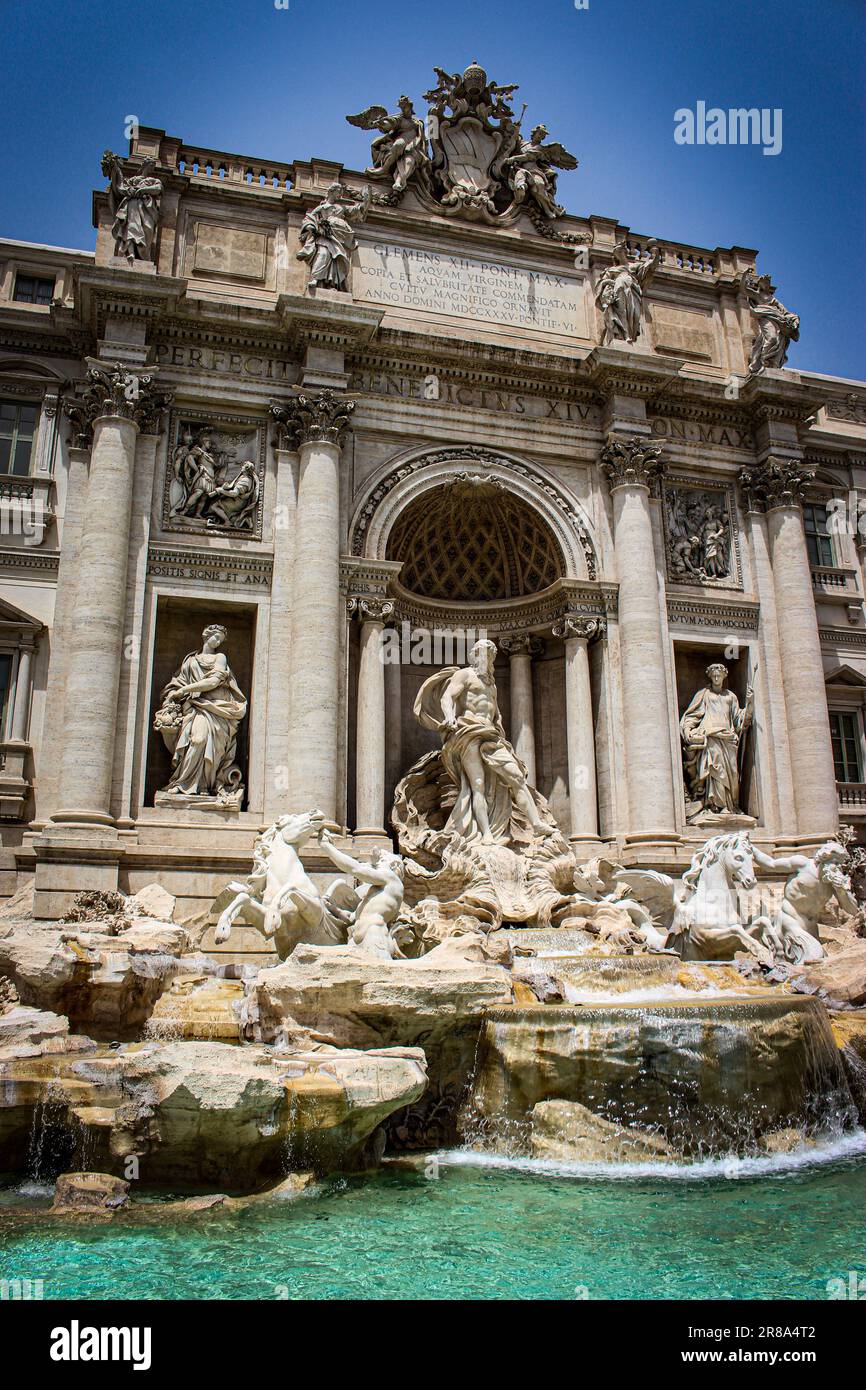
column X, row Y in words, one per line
column 437, row 282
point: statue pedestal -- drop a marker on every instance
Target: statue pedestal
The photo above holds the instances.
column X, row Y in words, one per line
column 138, row 267
column 715, row 822
column 230, row 802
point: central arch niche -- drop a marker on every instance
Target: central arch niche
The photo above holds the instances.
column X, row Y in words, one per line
column 472, row 540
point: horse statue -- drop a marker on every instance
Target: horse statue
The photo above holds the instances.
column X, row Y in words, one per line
column 700, row 911
column 279, row 898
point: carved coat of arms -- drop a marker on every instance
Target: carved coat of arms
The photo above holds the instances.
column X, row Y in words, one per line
column 471, row 158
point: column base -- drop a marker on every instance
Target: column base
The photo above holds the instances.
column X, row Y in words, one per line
column 586, row 846
column 376, row 838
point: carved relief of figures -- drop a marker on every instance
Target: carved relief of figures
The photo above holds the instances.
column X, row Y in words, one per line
column 776, row 328
column 531, row 173
column 327, row 238
column 210, row 484
column 202, row 707
column 619, row 292
column 712, row 729
column 699, row 541
column 134, row 201
column 400, row 151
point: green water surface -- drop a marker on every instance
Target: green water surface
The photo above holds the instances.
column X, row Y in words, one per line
column 473, row 1233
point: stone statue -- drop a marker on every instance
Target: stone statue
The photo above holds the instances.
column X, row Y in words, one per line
column 134, row 201
column 531, row 172
column 475, row 165
column 201, row 490
column 474, row 834
column 327, row 239
column 201, row 709
column 776, row 327
column 491, row 782
column 699, row 540
column 792, row 931
column 280, row 899
column 712, row 730
column 378, row 908
column 619, row 293
column 700, row 912
column 400, row 152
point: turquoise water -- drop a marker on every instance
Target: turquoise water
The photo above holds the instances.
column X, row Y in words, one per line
column 476, row 1232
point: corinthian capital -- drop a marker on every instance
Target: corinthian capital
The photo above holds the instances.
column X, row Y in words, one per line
column 575, row 625
column 634, row 462
column 779, row 482
column 115, row 390
column 323, row 418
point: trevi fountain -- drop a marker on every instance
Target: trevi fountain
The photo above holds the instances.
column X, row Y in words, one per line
column 533, row 970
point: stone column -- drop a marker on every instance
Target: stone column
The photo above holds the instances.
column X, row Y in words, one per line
column 631, row 466
column 520, row 651
column 580, row 729
column 21, row 707
column 64, row 609
column 317, row 612
column 370, row 734
column 120, row 402
column 781, row 483
column 393, row 724
column 279, row 649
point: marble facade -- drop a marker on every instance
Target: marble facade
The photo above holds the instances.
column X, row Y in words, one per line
column 456, row 441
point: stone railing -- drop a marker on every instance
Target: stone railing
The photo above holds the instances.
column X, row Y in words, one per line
column 201, row 164
column 833, row 581
column 852, row 794
column 677, row 257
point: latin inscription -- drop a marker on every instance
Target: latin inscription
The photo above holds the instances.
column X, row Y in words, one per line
column 468, row 287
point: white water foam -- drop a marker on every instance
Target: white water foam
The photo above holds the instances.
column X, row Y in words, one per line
column 651, row 994
column 730, row 1166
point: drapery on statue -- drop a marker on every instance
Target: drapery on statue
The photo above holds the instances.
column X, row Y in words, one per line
column 134, row 203
column 400, row 151
column 490, row 797
column 531, row 172
column 776, row 327
column 712, row 729
column 202, row 707
column 327, row 239
column 619, row 292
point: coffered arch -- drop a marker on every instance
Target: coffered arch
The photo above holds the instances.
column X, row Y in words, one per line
column 404, row 481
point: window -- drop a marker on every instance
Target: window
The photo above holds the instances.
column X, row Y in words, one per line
column 847, row 756
column 32, row 289
column 818, row 540
column 17, row 430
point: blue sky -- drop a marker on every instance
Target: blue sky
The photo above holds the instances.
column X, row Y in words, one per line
column 244, row 76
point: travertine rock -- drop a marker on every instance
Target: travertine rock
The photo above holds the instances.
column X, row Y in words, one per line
column 567, row 1131
column 153, row 901
column 89, row 1192
column 849, row 1030
column 841, row 977
column 341, row 996
column 204, row 1114
column 105, row 984
column 348, row 999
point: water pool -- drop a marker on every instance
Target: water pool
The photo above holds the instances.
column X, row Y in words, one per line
column 478, row 1231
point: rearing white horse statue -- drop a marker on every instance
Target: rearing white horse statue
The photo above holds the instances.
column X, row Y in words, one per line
column 700, row 911
column 280, row 899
